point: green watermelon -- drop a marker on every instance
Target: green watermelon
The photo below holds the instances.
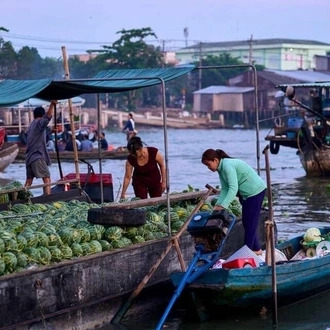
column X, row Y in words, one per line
column 77, row 250
column 10, row 261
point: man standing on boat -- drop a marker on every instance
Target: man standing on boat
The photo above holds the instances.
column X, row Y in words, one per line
column 37, row 158
column 130, row 127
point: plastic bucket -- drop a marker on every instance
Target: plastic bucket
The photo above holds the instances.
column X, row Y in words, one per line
column 295, row 122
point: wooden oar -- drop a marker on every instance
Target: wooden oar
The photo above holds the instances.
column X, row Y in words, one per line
column 270, row 246
column 173, row 241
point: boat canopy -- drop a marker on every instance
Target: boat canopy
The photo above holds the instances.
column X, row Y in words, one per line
column 307, row 85
column 13, row 92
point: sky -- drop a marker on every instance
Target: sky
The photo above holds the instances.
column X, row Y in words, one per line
column 88, row 24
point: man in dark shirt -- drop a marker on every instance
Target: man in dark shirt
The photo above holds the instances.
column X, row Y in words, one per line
column 37, row 158
column 103, row 142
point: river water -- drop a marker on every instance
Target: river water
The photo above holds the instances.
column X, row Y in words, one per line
column 299, row 203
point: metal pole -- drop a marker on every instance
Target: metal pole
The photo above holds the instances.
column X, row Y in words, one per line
column 168, row 203
column 271, row 237
column 99, row 144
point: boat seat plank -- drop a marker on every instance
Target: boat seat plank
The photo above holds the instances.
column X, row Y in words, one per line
column 158, row 200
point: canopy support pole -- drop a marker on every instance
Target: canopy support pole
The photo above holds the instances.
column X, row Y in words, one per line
column 73, row 135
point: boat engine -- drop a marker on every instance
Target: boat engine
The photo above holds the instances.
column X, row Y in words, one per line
column 209, row 229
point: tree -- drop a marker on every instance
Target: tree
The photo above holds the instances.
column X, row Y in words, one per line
column 29, row 63
column 8, row 60
column 218, row 76
column 132, row 51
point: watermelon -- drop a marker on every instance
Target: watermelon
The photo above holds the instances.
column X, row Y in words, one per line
column 77, row 250
column 22, row 260
column 45, row 255
column 85, row 235
column 138, row 239
column 2, row 246
column 11, row 245
column 106, row 246
column 21, row 242
column 66, row 252
column 113, row 233
column 54, row 240
column 2, row 266
column 86, row 248
column 120, row 243
column 95, row 246
column 32, row 254
column 131, row 232
column 10, row 261
column 43, row 239
column 96, row 233
column 31, row 238
column 66, row 235
column 56, row 253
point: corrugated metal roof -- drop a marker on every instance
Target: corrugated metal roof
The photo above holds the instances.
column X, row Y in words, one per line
column 304, row 76
column 308, row 85
column 224, row 90
column 257, row 42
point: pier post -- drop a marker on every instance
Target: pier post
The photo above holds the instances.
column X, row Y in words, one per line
column 120, row 120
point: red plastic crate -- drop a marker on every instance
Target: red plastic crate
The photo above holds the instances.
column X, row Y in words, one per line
column 92, row 178
column 239, row 263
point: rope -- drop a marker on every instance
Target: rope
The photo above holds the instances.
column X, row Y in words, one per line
column 278, row 122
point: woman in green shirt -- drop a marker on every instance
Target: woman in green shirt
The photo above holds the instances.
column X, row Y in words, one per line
column 237, row 178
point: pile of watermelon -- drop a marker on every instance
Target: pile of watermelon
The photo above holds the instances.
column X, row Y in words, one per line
column 33, row 235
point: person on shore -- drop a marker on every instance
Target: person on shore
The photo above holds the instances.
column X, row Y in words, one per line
column 37, row 158
column 86, row 144
column 145, row 166
column 130, row 127
column 237, row 178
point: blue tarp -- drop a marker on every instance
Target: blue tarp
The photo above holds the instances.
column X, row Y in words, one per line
column 17, row 91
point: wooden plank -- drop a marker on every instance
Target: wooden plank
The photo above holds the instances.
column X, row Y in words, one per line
column 159, row 200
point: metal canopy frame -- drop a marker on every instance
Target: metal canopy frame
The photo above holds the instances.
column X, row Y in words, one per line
column 162, row 82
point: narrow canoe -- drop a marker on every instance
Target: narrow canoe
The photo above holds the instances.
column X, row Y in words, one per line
column 247, row 288
column 68, row 156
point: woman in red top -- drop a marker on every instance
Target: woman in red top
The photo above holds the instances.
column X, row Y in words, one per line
column 146, row 167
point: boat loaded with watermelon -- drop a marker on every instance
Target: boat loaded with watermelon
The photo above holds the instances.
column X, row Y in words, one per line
column 71, row 260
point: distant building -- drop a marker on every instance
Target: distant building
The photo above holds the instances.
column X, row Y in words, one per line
column 221, row 98
column 276, row 54
column 83, row 57
column 322, row 63
column 235, row 103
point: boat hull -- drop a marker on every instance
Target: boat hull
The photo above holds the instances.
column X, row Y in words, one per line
column 251, row 288
column 88, row 291
column 8, row 153
column 313, row 155
column 68, row 156
column 316, row 162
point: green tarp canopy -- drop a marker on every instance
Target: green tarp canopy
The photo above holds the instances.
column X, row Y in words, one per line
column 111, row 81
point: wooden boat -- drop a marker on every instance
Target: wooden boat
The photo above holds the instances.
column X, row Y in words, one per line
column 68, row 156
column 219, row 289
column 307, row 129
column 77, row 291
column 8, row 151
